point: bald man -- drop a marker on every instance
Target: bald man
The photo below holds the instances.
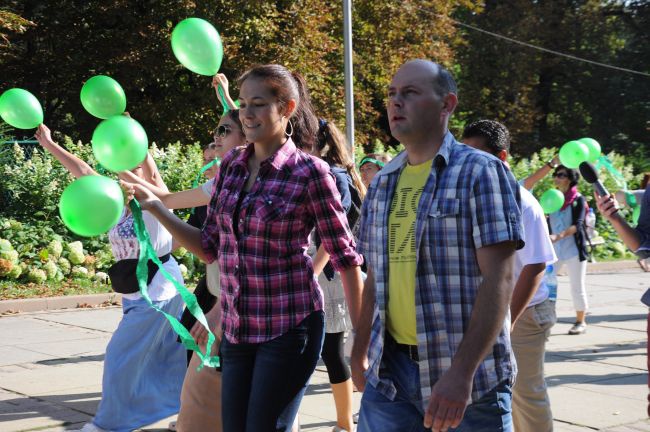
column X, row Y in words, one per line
column 439, row 230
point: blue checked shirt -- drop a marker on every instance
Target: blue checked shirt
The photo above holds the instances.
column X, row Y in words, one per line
column 470, row 200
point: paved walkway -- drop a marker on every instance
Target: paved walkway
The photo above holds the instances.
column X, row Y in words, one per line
column 51, row 363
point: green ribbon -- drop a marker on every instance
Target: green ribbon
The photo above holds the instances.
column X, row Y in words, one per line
column 603, row 161
column 222, row 99
column 147, row 253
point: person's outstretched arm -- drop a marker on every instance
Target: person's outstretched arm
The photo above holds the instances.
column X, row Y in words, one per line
column 172, row 200
column 72, row 163
column 186, row 235
column 530, row 181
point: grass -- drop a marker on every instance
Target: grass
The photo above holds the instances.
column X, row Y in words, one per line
column 10, row 290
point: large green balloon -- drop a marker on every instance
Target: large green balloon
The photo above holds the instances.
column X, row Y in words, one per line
column 594, row 148
column 120, row 143
column 103, row 97
column 91, row 205
column 551, row 201
column 20, row 109
column 197, row 45
column 573, row 153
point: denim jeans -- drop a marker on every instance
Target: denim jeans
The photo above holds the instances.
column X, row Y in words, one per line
column 491, row 413
column 262, row 383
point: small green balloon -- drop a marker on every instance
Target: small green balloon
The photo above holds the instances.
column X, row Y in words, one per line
column 91, row 205
column 636, row 212
column 197, row 45
column 103, row 97
column 551, row 201
column 593, row 147
column 20, row 109
column 120, row 143
column 573, row 153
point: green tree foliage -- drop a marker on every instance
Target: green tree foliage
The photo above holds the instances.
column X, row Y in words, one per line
column 547, row 99
column 73, row 40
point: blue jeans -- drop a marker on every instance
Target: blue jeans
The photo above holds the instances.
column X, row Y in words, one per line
column 262, row 384
column 491, row 413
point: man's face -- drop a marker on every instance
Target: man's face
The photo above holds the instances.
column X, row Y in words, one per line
column 478, row 143
column 414, row 108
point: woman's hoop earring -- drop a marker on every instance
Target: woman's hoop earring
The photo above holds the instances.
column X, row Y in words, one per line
column 288, row 135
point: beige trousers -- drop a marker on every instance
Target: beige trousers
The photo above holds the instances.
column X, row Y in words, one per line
column 200, row 399
column 531, row 407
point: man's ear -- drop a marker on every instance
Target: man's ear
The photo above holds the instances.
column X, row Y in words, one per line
column 449, row 104
column 502, row 155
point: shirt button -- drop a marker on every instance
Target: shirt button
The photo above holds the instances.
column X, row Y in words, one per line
column 269, row 202
column 258, row 178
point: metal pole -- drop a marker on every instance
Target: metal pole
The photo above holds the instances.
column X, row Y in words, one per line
column 349, row 89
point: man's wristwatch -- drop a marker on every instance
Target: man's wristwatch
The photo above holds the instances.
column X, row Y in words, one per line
column 550, row 164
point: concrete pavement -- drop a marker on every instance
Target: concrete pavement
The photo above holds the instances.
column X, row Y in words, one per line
column 51, row 364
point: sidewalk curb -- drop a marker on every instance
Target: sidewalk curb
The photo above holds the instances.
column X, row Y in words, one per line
column 93, row 300
column 612, row 266
column 62, row 302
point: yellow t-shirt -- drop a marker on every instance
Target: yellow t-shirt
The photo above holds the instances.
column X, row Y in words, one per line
column 400, row 313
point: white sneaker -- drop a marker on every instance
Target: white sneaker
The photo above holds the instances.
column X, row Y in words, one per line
column 90, row 427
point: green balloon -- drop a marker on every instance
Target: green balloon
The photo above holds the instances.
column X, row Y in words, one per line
column 20, row 109
column 573, row 153
column 551, row 201
column 197, row 45
column 593, row 147
column 120, row 143
column 91, row 205
column 103, row 97
column 636, row 212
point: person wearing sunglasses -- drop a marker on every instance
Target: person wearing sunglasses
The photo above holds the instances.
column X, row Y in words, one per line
column 569, row 237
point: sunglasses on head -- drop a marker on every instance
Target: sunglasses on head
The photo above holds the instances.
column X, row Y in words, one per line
column 222, row 131
column 561, row 175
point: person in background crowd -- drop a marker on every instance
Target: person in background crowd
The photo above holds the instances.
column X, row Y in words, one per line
column 531, row 311
column 133, row 395
column 370, row 166
column 332, row 148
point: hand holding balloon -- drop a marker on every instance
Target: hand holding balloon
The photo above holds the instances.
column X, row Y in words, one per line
column 43, row 136
column 145, row 197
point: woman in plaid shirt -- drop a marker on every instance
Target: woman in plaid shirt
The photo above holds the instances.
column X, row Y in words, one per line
column 269, row 196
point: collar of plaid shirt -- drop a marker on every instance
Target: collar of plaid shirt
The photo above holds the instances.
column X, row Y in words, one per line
column 447, row 277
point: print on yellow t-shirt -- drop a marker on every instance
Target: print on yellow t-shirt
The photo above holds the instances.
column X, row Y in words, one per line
column 400, row 313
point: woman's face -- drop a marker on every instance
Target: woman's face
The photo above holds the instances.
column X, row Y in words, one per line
column 260, row 112
column 368, row 171
column 561, row 179
column 227, row 136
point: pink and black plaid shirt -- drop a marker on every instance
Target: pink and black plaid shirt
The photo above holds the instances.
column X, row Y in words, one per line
column 267, row 280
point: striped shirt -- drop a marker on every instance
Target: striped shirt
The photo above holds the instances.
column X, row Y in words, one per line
column 267, row 280
column 470, row 200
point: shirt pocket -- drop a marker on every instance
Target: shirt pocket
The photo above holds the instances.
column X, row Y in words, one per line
column 270, row 209
column 444, row 221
